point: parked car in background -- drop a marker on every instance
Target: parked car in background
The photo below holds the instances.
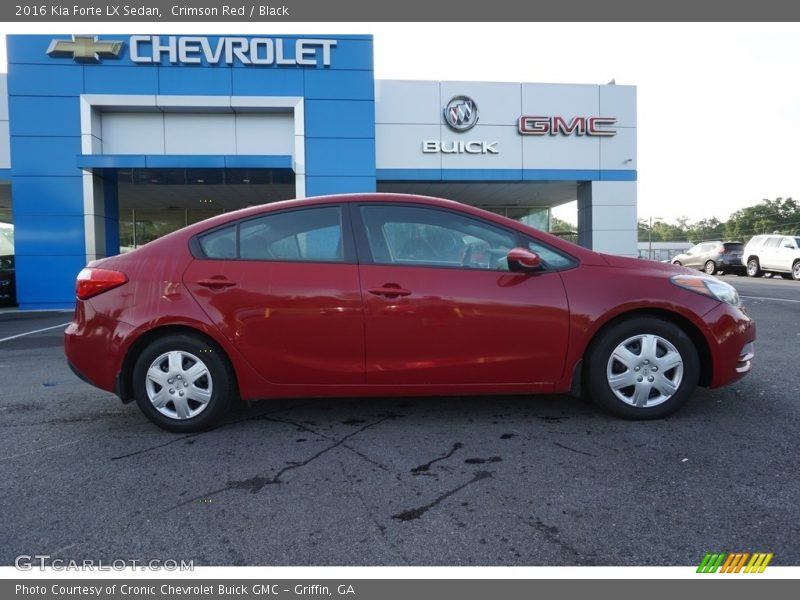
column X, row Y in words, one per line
column 8, row 288
column 8, row 293
column 713, row 257
column 773, row 254
column 394, row 295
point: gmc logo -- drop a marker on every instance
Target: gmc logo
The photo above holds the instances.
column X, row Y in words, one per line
column 595, row 126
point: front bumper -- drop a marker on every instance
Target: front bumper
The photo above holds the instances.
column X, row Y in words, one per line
column 731, row 336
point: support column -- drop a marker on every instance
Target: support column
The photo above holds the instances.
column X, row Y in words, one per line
column 607, row 217
column 101, row 215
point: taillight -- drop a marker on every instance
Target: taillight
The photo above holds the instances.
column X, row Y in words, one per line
column 92, row 282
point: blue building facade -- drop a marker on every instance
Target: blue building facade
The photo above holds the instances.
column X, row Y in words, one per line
column 50, row 161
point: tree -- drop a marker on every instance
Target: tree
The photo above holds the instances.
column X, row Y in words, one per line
column 560, row 226
column 767, row 216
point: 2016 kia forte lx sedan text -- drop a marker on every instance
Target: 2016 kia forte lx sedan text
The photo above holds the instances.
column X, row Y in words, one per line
column 387, row 294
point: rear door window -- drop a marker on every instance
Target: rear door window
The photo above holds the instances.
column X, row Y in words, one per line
column 312, row 234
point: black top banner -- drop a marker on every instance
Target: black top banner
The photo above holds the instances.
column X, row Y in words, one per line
column 409, row 10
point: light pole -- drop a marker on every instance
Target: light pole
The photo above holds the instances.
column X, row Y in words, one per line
column 650, row 235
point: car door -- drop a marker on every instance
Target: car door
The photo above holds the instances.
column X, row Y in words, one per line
column 442, row 308
column 770, row 252
column 694, row 257
column 284, row 289
column 786, row 254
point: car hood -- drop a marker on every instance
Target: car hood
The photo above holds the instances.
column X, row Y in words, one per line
column 625, row 262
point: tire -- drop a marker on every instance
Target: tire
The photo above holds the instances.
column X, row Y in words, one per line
column 796, row 271
column 195, row 385
column 677, row 263
column 618, row 356
column 754, row 268
column 710, row 267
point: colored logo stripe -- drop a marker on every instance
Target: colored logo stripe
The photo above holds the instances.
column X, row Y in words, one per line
column 734, row 562
column 758, row 563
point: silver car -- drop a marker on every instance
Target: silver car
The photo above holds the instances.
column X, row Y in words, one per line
column 713, row 257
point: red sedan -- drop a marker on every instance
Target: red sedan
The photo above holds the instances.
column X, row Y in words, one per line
column 388, row 294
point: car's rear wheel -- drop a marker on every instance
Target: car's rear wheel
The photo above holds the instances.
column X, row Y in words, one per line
column 182, row 383
column 642, row 368
column 754, row 268
column 710, row 267
column 796, row 271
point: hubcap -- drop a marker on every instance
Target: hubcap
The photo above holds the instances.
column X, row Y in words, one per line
column 796, row 271
column 179, row 385
column 645, row 370
column 711, row 268
column 752, row 267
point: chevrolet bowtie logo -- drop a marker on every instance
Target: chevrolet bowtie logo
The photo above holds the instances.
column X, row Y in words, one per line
column 85, row 48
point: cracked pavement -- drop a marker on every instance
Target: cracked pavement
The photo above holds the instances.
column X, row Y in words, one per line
column 424, row 481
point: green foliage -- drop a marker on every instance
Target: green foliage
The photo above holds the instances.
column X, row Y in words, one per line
column 559, row 225
column 767, row 216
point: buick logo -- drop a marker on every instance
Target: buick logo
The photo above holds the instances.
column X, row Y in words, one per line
column 461, row 113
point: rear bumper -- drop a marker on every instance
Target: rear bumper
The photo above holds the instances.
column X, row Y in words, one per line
column 93, row 345
column 78, row 372
column 733, row 267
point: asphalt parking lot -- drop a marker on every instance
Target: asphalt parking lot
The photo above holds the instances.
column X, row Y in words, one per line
column 479, row 481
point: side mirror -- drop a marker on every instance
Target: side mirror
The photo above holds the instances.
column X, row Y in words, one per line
column 521, row 260
column 789, row 246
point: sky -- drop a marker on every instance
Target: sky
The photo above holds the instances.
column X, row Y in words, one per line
column 718, row 104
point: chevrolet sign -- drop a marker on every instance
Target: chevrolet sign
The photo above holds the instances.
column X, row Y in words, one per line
column 190, row 50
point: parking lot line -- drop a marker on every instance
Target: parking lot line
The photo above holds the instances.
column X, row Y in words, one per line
column 19, row 335
column 752, row 298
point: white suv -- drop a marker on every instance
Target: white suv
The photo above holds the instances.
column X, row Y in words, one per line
column 772, row 254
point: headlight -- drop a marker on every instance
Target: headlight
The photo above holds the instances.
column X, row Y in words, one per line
column 708, row 286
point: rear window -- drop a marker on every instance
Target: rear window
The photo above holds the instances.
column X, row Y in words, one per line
column 734, row 246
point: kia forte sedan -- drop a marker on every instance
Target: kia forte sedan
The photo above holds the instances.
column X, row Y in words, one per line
column 394, row 295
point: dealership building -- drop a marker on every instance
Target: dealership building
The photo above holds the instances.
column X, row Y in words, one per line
column 109, row 141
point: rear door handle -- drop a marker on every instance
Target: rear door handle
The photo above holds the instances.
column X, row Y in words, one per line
column 216, row 282
column 389, row 290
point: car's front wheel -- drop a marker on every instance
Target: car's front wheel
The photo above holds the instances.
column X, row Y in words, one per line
column 642, row 368
column 182, row 383
column 796, row 271
column 754, row 268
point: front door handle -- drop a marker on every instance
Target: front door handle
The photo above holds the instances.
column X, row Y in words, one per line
column 216, row 282
column 389, row 290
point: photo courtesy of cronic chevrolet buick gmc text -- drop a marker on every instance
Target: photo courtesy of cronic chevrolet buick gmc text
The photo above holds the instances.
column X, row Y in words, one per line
column 774, row 254
column 394, row 295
